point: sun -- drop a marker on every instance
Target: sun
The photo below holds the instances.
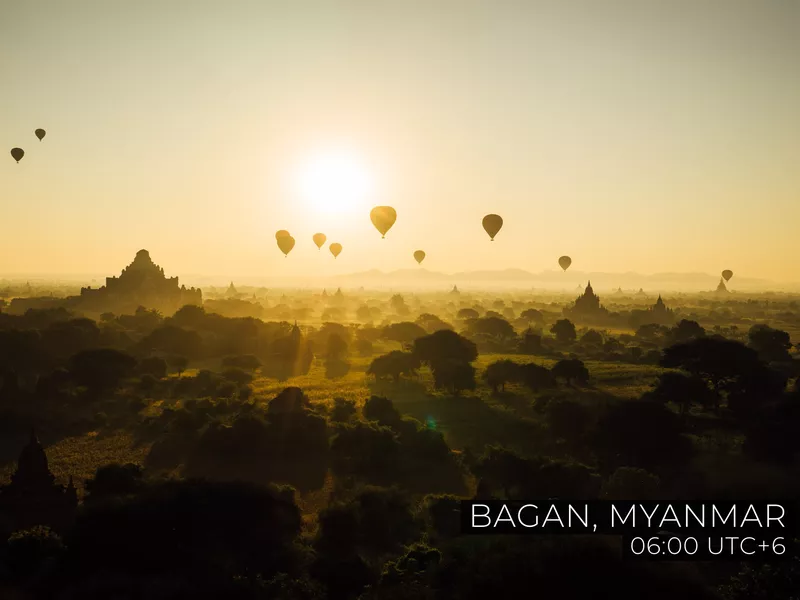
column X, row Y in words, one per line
column 334, row 183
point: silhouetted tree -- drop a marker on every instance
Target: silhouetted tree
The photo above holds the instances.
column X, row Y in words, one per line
column 564, row 331
column 571, row 370
column 394, row 364
column 772, row 345
column 537, row 377
column 405, row 332
column 445, row 345
column 501, row 372
column 101, row 369
column 454, row 375
column 683, row 390
column 686, row 330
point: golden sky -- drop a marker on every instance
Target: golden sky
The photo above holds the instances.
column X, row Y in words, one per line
column 634, row 136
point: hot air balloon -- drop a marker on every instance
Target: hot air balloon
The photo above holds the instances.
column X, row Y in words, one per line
column 335, row 249
column 565, row 262
column 419, row 255
column 40, row 133
column 319, row 239
column 281, row 233
column 383, row 217
column 727, row 274
column 286, row 243
column 492, row 224
column 17, row 153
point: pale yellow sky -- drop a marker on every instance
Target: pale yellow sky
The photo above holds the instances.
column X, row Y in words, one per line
column 633, row 136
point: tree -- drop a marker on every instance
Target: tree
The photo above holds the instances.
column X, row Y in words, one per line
column 337, row 348
column 454, row 375
column 394, row 364
column 686, row 330
column 537, row 377
column 363, row 313
column 238, row 376
column 771, row 344
column 382, row 410
column 501, row 372
column 431, row 323
column 467, row 313
column 683, row 390
column 179, row 363
column 364, row 347
column 592, row 337
column 532, row 316
column 571, row 370
column 492, row 326
column 564, row 331
column 101, row 369
column 405, row 332
column 445, row 345
column 652, row 332
column 729, row 367
column 399, row 305
column 531, row 342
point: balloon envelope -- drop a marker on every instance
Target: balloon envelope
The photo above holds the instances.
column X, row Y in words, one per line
column 281, row 233
column 286, row 243
column 419, row 256
column 336, row 249
column 565, row 262
column 17, row 153
column 319, row 239
column 383, row 217
column 40, row 133
column 727, row 274
column 492, row 225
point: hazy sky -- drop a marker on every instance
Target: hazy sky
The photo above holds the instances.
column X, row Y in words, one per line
column 633, row 136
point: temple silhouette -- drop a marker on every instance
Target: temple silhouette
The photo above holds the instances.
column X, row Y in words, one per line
column 722, row 288
column 587, row 306
column 33, row 497
column 660, row 314
column 141, row 283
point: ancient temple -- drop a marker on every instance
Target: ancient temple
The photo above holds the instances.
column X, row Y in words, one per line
column 141, row 283
column 660, row 314
column 722, row 288
column 231, row 293
column 455, row 290
column 587, row 305
column 33, row 497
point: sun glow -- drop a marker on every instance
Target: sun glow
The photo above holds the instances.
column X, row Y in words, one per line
column 334, row 183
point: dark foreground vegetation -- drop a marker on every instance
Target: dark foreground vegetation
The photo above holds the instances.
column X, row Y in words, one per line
column 254, row 487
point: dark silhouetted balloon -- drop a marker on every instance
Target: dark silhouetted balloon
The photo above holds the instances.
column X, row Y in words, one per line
column 319, row 239
column 40, row 133
column 286, row 243
column 565, row 262
column 17, row 153
column 383, row 217
column 336, row 249
column 492, row 224
column 419, row 255
column 727, row 274
column 281, row 233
